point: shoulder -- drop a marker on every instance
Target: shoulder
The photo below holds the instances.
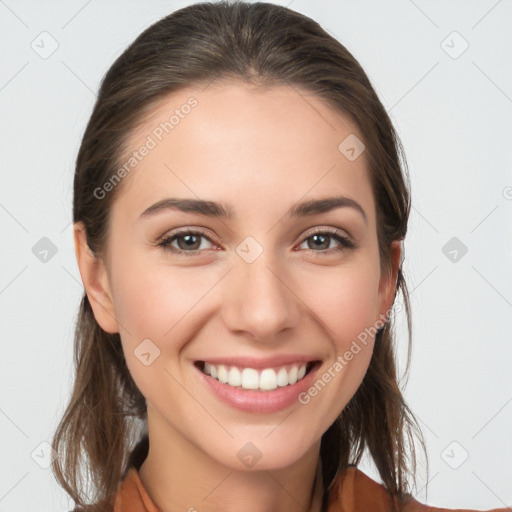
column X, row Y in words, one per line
column 354, row 491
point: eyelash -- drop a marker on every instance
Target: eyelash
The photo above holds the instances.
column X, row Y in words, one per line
column 345, row 243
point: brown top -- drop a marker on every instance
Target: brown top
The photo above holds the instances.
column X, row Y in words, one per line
column 353, row 491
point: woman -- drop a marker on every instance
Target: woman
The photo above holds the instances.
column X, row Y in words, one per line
column 239, row 210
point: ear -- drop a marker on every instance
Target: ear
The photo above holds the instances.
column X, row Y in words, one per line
column 95, row 280
column 387, row 284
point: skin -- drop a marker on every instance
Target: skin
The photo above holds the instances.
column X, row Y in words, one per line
column 260, row 152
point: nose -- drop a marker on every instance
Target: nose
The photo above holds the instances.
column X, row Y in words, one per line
column 259, row 302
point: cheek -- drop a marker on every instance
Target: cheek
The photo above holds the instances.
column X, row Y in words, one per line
column 150, row 298
column 159, row 302
column 347, row 303
column 154, row 302
column 345, row 300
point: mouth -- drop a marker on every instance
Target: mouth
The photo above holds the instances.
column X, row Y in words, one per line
column 261, row 379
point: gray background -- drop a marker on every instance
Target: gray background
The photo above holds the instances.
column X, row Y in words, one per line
column 452, row 109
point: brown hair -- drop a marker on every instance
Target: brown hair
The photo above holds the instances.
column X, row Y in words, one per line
column 261, row 44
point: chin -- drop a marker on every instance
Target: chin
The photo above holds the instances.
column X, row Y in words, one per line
column 261, row 454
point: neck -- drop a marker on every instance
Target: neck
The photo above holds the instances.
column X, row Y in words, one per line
column 178, row 475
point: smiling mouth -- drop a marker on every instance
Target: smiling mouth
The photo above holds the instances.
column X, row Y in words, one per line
column 264, row 379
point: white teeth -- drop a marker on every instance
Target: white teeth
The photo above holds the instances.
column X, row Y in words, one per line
column 235, row 379
column 292, row 376
column 222, row 374
column 249, row 378
column 282, row 377
column 268, row 379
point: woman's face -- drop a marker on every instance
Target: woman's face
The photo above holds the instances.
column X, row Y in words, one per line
column 262, row 290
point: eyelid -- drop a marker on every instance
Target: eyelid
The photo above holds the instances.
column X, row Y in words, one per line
column 328, row 230
column 185, row 231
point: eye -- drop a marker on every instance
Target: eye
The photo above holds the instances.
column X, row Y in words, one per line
column 321, row 239
column 189, row 242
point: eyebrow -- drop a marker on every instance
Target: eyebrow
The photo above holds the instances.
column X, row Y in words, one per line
column 213, row 209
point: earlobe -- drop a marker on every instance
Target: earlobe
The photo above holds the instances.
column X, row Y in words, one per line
column 95, row 280
column 387, row 285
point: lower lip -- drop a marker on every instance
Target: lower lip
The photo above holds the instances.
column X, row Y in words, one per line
column 259, row 401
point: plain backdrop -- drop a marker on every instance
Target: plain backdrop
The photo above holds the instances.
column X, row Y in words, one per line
column 442, row 70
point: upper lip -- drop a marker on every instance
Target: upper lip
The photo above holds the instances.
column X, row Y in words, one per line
column 259, row 363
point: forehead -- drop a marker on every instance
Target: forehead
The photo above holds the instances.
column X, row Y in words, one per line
column 279, row 142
